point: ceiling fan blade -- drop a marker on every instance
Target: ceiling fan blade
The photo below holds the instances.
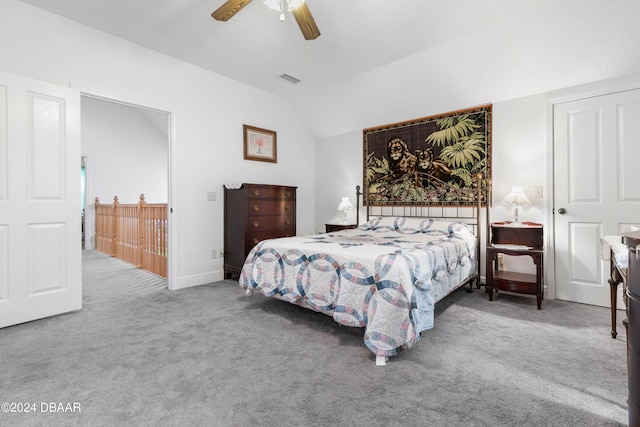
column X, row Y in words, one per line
column 230, row 8
column 306, row 22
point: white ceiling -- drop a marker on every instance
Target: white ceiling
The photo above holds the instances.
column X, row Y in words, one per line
column 255, row 47
column 508, row 46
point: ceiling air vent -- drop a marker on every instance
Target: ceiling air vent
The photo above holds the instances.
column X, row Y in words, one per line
column 289, row 78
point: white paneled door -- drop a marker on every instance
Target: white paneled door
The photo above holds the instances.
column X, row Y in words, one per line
column 40, row 235
column 596, row 190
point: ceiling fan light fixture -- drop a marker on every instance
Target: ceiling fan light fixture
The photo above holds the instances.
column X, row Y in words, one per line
column 294, row 4
column 279, row 5
column 298, row 9
column 273, row 4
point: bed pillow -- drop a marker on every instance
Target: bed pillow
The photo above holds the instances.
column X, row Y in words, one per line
column 409, row 225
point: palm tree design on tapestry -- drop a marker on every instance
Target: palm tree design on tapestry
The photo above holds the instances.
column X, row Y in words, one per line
column 448, row 158
column 463, row 146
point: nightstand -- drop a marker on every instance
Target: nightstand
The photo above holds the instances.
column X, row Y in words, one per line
column 330, row 228
column 522, row 239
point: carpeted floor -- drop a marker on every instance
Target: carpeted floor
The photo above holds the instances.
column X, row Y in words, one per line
column 139, row 354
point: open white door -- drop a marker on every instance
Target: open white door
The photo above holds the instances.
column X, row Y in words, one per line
column 40, row 217
column 596, row 151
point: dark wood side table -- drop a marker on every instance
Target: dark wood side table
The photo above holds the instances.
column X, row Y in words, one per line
column 523, row 239
column 330, row 228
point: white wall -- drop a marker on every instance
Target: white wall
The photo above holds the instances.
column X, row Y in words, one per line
column 208, row 112
column 339, row 169
column 519, row 154
column 519, row 147
column 515, row 56
column 519, row 158
column 127, row 154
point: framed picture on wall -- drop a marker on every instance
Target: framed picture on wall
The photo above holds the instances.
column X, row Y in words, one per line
column 260, row 144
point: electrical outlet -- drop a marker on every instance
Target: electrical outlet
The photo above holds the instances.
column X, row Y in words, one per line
column 220, row 253
column 500, row 262
column 211, row 196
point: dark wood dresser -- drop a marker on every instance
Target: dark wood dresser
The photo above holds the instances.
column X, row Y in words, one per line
column 252, row 213
column 632, row 240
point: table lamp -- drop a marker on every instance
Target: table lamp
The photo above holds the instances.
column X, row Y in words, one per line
column 517, row 199
column 345, row 206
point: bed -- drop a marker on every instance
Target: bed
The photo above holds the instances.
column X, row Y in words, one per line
column 384, row 276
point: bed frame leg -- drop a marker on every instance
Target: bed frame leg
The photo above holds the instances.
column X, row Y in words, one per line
column 381, row 360
column 470, row 290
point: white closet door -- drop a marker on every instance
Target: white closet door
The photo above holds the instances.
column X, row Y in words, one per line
column 597, row 192
column 40, row 216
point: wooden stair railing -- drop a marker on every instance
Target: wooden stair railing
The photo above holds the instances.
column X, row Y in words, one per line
column 135, row 233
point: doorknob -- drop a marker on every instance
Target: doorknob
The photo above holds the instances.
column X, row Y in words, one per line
column 562, row 211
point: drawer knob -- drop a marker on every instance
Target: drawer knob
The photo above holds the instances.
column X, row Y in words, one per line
column 256, row 224
column 287, row 222
column 256, row 208
column 287, row 194
column 286, row 207
column 513, row 287
column 256, row 240
column 256, row 192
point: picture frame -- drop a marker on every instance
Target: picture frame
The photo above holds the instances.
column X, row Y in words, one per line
column 436, row 158
column 260, row 144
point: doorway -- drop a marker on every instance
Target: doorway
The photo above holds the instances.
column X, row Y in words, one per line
column 125, row 150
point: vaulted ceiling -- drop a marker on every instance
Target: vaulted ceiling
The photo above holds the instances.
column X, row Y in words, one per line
column 455, row 51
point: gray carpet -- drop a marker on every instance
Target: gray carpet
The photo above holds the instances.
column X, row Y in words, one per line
column 139, row 354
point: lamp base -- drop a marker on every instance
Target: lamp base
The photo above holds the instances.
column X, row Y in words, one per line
column 343, row 222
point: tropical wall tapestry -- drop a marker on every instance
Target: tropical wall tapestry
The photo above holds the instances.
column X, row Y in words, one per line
column 443, row 157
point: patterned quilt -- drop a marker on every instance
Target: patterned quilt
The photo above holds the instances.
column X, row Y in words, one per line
column 384, row 276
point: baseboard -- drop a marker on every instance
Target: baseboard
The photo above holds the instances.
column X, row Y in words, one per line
column 200, row 279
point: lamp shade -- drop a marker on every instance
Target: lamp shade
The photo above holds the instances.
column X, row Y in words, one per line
column 345, row 205
column 516, row 197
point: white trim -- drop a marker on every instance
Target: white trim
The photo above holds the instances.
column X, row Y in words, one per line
column 600, row 88
column 200, row 279
column 549, row 272
column 172, row 261
column 604, row 87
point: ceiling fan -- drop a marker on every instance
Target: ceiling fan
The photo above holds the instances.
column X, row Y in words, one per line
column 298, row 8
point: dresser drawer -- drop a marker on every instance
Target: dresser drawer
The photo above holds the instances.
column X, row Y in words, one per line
column 258, row 236
column 270, row 193
column 515, row 283
column 517, row 235
column 271, row 207
column 271, row 223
